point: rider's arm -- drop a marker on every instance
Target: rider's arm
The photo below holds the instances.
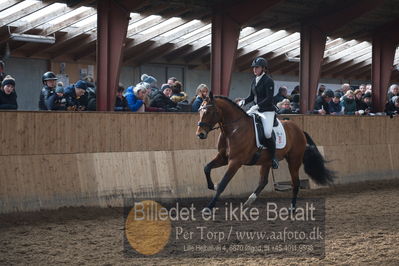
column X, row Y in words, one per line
column 250, row 97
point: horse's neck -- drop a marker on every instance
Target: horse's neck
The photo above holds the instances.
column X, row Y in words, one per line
column 231, row 118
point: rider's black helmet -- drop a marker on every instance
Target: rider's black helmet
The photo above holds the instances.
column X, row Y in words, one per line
column 48, row 76
column 259, row 61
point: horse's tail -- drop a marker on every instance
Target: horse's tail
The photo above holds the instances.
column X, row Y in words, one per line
column 314, row 164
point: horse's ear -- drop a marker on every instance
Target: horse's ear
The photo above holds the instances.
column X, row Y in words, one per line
column 211, row 95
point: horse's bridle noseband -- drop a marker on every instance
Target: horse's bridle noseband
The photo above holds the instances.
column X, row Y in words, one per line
column 204, row 124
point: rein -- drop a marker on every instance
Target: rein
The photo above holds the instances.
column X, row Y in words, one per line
column 201, row 124
column 221, row 125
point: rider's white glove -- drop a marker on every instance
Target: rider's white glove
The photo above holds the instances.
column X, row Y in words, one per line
column 253, row 108
column 241, row 103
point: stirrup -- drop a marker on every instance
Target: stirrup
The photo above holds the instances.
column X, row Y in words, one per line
column 274, row 163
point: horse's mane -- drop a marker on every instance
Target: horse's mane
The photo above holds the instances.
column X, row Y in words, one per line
column 230, row 101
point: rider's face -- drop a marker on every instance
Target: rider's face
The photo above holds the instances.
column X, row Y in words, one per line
column 258, row 70
column 51, row 83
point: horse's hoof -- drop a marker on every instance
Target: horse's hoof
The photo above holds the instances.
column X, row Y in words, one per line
column 213, row 187
column 250, row 199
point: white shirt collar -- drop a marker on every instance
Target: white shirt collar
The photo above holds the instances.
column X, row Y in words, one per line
column 258, row 78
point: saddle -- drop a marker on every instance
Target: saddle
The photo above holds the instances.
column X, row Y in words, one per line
column 259, row 128
column 278, row 132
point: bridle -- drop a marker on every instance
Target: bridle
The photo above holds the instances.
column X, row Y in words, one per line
column 221, row 125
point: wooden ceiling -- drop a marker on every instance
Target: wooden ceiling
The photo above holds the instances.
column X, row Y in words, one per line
column 179, row 32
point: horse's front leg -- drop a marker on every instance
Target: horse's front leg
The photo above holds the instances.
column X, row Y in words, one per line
column 232, row 168
column 264, row 175
column 220, row 160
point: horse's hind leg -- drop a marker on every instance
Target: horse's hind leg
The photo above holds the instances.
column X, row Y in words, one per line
column 293, row 166
column 264, row 175
column 220, row 160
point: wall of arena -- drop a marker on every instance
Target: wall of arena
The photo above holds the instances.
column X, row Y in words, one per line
column 55, row 159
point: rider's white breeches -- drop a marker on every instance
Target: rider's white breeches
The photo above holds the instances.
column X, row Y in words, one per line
column 267, row 121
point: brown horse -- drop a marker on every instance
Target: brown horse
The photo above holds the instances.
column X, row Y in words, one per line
column 237, row 147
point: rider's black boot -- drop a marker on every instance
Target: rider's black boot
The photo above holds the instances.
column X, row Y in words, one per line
column 271, row 146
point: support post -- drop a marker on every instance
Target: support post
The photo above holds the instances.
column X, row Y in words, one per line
column 313, row 42
column 112, row 23
column 225, row 34
column 381, row 69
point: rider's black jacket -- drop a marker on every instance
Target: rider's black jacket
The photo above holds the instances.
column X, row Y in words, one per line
column 262, row 94
column 45, row 94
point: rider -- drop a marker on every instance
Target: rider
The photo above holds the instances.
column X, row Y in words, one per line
column 49, row 81
column 262, row 92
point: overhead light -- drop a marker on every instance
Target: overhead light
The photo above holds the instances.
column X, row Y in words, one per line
column 32, row 38
column 294, row 59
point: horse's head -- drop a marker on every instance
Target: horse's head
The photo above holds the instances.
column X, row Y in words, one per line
column 209, row 116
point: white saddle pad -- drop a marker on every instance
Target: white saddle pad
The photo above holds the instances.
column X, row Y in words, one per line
column 279, row 131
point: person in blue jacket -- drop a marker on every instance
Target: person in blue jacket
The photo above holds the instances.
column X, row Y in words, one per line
column 135, row 98
column 75, row 96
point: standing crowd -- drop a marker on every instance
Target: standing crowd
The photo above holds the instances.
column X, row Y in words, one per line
column 146, row 97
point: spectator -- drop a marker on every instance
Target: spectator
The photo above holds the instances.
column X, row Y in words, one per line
column 348, row 102
column 147, row 88
column 2, row 69
column 321, row 89
column 367, row 99
column 162, row 100
column 8, row 96
column 60, row 84
column 177, row 94
column 73, row 95
column 120, row 100
column 171, row 81
column 361, row 106
column 57, row 101
column 201, row 94
column 392, row 107
column 393, row 91
column 344, row 88
column 89, row 81
column 135, row 97
column 362, row 88
column 295, row 90
column 49, row 82
column 284, row 107
column 295, row 107
column 147, row 100
column 321, row 105
column 90, row 94
column 334, row 106
column 369, row 88
column 281, row 95
column 153, row 85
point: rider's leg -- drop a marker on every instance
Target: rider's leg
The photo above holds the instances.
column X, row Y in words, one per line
column 267, row 120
